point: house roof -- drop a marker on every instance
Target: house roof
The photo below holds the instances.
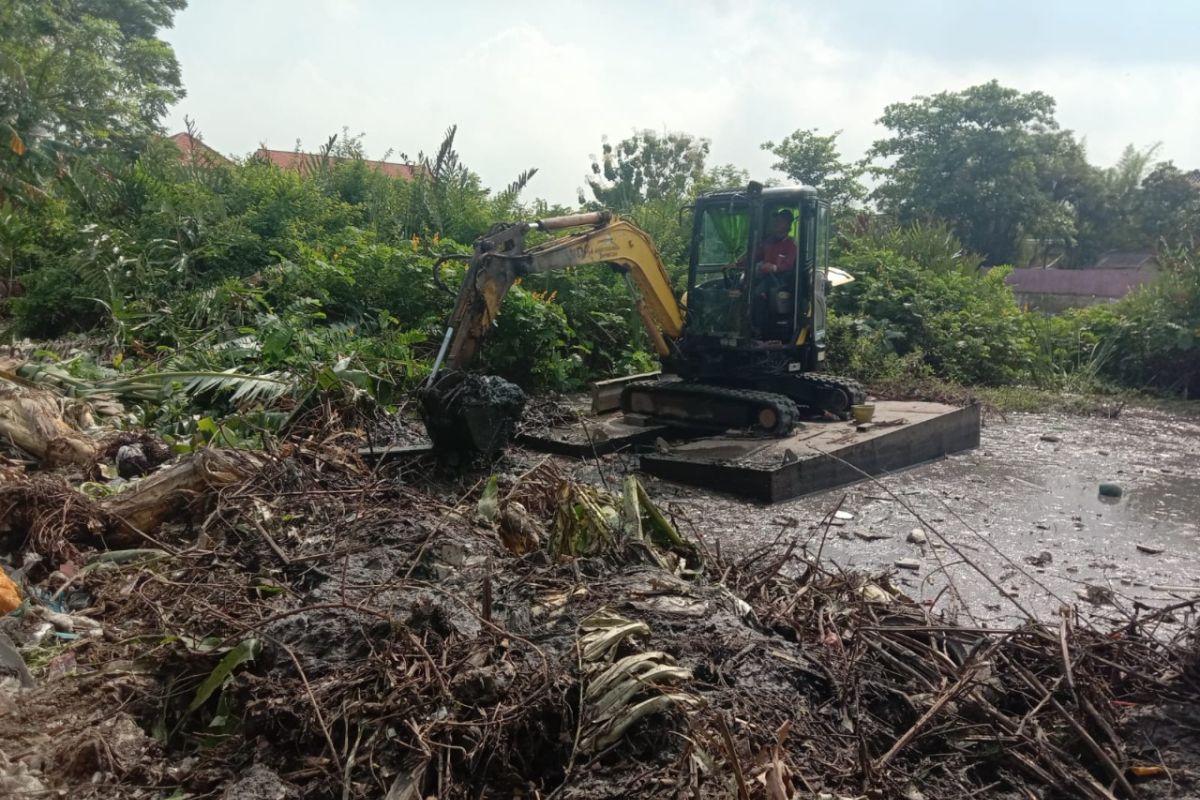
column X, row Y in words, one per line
column 1135, row 260
column 192, row 149
column 1110, row 283
column 289, row 159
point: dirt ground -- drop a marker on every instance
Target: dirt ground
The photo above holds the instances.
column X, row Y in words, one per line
column 326, row 627
column 1024, row 508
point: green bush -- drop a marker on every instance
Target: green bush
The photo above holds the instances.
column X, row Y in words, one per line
column 607, row 335
column 966, row 324
column 533, row 344
column 1151, row 339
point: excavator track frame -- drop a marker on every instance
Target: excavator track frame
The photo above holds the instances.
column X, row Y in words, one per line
column 720, row 408
column 819, row 391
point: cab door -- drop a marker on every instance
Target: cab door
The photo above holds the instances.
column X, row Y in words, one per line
column 820, row 278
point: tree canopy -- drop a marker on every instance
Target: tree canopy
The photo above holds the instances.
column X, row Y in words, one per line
column 646, row 167
column 79, row 75
column 809, row 158
column 989, row 159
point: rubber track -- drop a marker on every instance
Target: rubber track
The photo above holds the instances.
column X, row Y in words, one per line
column 786, row 411
column 852, row 389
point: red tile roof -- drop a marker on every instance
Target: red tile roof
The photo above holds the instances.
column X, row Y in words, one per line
column 1108, row 283
column 193, row 150
column 288, row 159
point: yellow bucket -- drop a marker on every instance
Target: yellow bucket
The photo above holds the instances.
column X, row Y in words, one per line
column 863, row 413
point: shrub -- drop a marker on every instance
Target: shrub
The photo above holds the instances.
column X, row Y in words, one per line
column 1152, row 337
column 966, row 324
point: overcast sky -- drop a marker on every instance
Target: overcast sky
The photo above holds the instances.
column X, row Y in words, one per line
column 536, row 84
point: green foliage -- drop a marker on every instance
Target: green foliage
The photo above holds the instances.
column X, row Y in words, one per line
column 990, row 160
column 79, row 76
column 916, row 292
column 534, row 344
column 813, row 160
column 1152, row 337
column 232, row 294
column 646, row 167
column 1168, row 208
column 607, row 338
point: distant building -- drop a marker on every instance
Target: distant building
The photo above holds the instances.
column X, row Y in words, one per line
column 1112, row 277
column 1120, row 260
column 291, row 160
column 194, row 151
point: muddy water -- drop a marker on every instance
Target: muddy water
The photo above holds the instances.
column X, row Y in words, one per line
column 1023, row 512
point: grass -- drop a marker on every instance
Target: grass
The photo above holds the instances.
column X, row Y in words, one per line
column 1074, row 397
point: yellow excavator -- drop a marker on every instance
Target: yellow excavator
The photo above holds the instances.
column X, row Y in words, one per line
column 741, row 349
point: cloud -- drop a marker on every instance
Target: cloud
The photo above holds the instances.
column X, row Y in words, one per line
column 532, row 89
column 343, row 10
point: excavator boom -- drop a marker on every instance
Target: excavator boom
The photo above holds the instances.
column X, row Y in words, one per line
column 501, row 258
column 465, row 412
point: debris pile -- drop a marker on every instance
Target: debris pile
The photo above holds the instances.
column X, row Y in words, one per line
column 300, row 624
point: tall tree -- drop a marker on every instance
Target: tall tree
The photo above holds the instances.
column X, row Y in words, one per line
column 1120, row 190
column 79, row 75
column 646, row 167
column 1168, row 207
column 812, row 159
column 989, row 159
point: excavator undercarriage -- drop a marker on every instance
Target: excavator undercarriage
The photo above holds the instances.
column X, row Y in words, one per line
column 770, row 406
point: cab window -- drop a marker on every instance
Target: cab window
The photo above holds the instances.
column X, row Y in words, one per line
column 724, row 234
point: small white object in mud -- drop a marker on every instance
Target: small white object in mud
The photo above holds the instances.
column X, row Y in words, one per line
column 1150, row 549
column 908, row 563
column 842, row 515
column 917, row 536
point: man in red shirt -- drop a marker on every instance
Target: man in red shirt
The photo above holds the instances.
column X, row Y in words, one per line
column 777, row 252
column 776, row 256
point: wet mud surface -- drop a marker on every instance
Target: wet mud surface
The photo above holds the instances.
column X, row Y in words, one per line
column 1025, row 509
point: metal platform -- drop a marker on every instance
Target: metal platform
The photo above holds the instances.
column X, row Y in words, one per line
column 822, row 455
column 818, row 456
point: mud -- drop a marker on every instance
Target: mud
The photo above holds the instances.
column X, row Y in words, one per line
column 468, row 415
column 1025, row 508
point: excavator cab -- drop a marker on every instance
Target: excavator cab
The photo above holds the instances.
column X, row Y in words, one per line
column 757, row 278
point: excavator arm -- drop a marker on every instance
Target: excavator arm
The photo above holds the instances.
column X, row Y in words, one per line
column 477, row 413
column 500, row 258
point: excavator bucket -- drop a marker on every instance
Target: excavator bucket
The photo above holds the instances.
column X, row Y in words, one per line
column 468, row 415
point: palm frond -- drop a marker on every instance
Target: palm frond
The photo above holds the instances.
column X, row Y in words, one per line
column 515, row 188
column 248, row 388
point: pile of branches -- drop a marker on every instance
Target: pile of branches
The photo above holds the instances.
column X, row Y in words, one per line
column 328, row 628
column 931, row 707
column 545, row 412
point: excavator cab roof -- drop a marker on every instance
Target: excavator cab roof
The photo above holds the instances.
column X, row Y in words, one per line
column 771, row 194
